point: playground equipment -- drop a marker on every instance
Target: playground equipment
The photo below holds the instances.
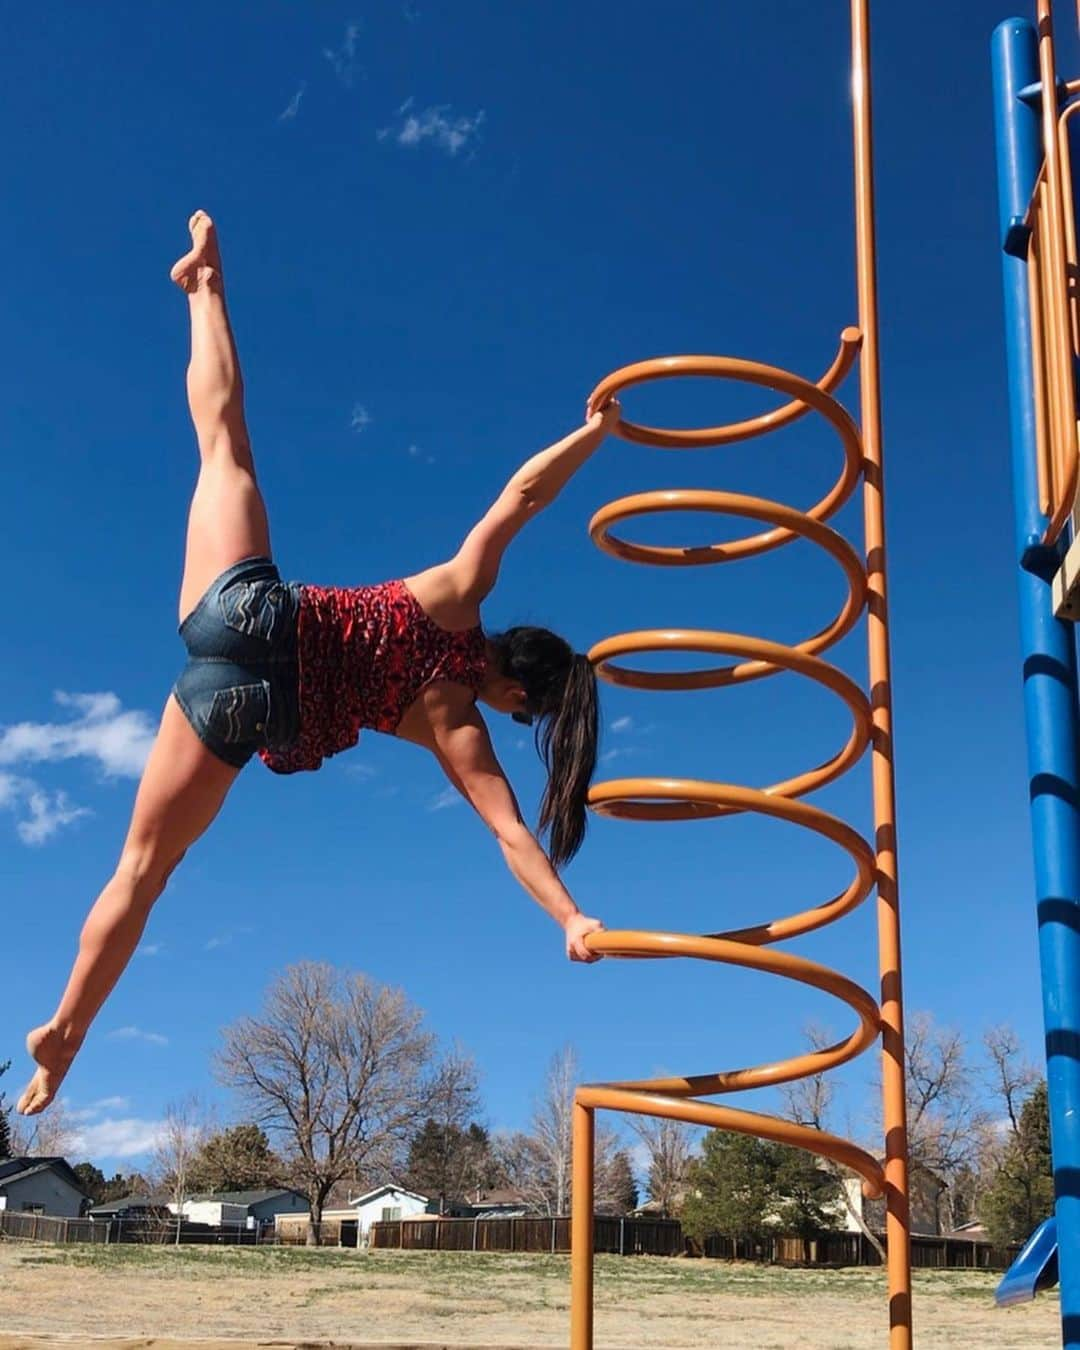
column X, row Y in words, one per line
column 658, row 799
column 1037, row 217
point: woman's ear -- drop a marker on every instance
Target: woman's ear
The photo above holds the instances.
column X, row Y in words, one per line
column 521, row 713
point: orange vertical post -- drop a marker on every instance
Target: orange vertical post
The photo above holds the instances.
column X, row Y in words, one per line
column 734, row 658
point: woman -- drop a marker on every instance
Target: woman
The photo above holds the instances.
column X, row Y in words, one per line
column 294, row 672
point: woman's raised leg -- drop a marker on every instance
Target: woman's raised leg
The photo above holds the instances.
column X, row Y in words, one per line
column 184, row 784
column 227, row 521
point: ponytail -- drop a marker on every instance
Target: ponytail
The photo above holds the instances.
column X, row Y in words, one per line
column 567, row 741
column 560, row 690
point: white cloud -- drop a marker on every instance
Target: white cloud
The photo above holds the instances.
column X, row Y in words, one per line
column 137, row 1034
column 360, row 419
column 80, row 1113
column 293, row 105
column 446, row 798
column 343, row 58
column 622, row 724
column 126, row 1137
column 47, row 815
column 439, row 125
column 119, row 741
column 219, row 940
column 43, row 813
column 149, row 948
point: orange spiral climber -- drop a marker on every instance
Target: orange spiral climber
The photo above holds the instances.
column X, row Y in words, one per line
column 742, row 659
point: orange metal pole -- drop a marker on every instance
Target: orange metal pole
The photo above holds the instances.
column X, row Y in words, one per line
column 581, row 1229
column 898, row 1229
column 1058, row 345
column 751, row 658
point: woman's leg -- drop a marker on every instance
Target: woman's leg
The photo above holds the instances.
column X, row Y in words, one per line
column 182, row 789
column 227, row 521
column 184, row 784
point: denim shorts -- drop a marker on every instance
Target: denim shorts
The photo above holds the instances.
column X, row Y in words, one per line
column 240, row 688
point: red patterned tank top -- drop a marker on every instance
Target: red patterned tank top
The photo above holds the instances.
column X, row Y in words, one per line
column 365, row 653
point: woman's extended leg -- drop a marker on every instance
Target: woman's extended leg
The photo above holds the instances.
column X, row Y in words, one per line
column 184, row 784
column 227, row 521
column 182, row 789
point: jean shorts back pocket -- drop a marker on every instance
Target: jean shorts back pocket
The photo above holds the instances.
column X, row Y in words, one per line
column 257, row 609
column 240, row 714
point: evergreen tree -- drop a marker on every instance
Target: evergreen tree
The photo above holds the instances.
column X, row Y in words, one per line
column 92, row 1180
column 746, row 1187
column 236, row 1159
column 616, row 1189
column 1021, row 1193
column 450, row 1162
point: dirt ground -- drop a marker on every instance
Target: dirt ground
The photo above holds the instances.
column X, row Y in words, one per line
column 167, row 1298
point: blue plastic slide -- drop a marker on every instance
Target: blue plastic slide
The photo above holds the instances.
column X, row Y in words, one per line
column 1035, row 1269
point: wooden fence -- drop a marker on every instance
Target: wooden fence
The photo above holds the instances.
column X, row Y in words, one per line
column 158, row 1232
column 622, row 1237
column 853, row 1249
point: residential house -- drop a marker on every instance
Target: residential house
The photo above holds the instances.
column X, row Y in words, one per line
column 41, row 1186
column 256, row 1208
column 140, row 1207
column 925, row 1195
column 499, row 1204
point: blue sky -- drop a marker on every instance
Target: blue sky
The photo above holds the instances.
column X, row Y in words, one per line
column 441, row 226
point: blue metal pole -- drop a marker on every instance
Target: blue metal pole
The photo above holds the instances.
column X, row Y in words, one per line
column 1050, row 685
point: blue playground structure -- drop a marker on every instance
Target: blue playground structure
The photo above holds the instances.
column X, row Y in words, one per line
column 1037, row 219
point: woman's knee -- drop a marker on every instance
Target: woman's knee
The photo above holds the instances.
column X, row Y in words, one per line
column 146, row 869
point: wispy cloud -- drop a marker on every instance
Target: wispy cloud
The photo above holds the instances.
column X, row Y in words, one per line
column 138, row 1034
column 360, row 419
column 446, row 798
column 124, row 1137
column 149, row 949
column 439, row 126
column 95, row 1109
column 622, row 724
column 414, row 452
column 293, row 105
column 343, row 58
column 101, row 730
column 43, row 812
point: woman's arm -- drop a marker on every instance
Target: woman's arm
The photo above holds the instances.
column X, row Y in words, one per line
column 472, row 572
column 460, row 741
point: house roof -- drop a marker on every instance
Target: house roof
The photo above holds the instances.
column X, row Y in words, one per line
column 16, row 1169
column 123, row 1202
column 245, row 1197
column 386, row 1189
column 501, row 1198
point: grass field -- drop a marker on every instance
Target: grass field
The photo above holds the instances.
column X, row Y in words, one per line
column 153, row 1296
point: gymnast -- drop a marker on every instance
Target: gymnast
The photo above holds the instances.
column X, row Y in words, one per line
column 293, row 673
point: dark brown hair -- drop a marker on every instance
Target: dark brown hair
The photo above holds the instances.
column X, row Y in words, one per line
column 560, row 692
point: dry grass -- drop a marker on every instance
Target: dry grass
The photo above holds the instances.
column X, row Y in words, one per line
column 156, row 1296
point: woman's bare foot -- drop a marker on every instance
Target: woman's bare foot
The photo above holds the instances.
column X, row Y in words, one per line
column 54, row 1052
column 202, row 266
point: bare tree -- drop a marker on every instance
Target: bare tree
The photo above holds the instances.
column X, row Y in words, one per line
column 51, row 1134
column 184, row 1131
column 945, row 1120
column 668, row 1144
column 809, row 1101
column 449, row 1153
column 539, row 1163
column 1010, row 1074
column 336, row 1067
